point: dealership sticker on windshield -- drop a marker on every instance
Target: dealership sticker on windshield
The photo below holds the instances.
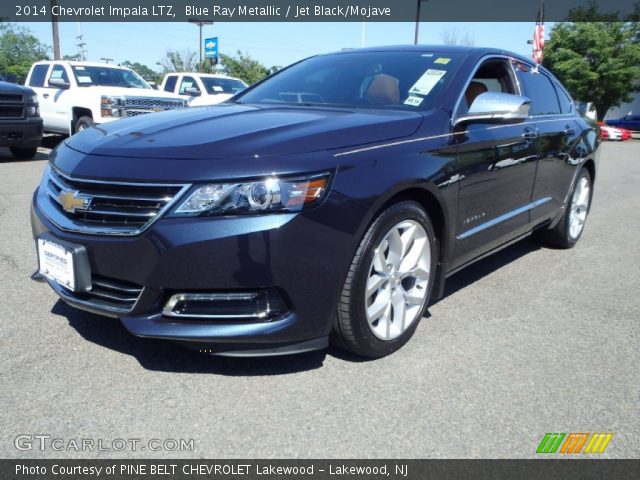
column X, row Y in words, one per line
column 427, row 81
column 413, row 101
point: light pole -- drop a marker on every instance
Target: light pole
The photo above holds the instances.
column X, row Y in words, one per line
column 415, row 40
column 200, row 24
column 54, row 31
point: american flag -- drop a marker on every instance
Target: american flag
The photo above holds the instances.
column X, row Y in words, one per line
column 538, row 35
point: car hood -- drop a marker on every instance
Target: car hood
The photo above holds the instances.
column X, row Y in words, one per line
column 235, row 131
column 7, row 87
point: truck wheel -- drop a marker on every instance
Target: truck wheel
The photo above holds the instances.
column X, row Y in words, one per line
column 82, row 123
column 23, row 153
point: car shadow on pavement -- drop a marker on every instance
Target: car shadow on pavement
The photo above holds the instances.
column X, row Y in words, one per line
column 165, row 356
column 490, row 264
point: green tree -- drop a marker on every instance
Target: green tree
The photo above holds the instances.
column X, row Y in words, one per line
column 179, row 61
column 244, row 67
column 144, row 71
column 596, row 57
column 19, row 49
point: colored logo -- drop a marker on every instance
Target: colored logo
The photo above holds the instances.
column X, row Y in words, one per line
column 574, row 442
column 72, row 201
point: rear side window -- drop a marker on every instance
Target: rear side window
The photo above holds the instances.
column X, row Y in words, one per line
column 38, row 75
column 538, row 87
column 565, row 102
column 170, row 84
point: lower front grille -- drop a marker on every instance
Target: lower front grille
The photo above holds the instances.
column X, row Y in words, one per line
column 10, row 97
column 107, row 295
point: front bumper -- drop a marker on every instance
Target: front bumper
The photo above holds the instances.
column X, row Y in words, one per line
column 21, row 133
column 299, row 255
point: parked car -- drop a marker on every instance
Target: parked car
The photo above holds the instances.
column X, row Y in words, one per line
column 630, row 122
column 20, row 122
column 202, row 88
column 77, row 95
column 613, row 133
column 331, row 200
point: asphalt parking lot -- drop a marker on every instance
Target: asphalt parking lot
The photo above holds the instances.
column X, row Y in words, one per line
column 528, row 341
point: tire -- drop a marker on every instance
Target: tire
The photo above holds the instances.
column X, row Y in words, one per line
column 82, row 123
column 567, row 233
column 356, row 328
column 23, row 153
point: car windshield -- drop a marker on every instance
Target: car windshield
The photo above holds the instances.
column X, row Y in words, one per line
column 89, row 76
column 223, row 85
column 392, row 80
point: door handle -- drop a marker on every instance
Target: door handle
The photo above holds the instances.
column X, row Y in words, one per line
column 530, row 134
column 569, row 131
column 45, row 95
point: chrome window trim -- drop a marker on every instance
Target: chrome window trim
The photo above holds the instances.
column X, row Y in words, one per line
column 69, row 225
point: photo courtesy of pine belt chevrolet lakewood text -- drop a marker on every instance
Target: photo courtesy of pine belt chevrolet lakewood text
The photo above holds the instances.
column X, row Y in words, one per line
column 326, row 203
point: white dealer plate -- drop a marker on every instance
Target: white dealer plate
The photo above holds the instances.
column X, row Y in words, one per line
column 56, row 263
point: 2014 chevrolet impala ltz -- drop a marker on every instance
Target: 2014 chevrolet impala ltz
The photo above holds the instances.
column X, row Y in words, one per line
column 329, row 201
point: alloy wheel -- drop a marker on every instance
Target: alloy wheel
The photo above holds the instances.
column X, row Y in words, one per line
column 398, row 280
column 579, row 207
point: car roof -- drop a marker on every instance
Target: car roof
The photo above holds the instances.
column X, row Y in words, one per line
column 84, row 64
column 441, row 49
column 207, row 75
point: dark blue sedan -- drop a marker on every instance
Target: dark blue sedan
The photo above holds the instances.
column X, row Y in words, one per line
column 630, row 122
column 328, row 202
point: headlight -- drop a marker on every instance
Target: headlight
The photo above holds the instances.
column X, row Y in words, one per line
column 111, row 106
column 32, row 109
column 268, row 195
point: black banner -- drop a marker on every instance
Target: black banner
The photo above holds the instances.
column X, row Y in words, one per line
column 298, row 11
column 548, row 469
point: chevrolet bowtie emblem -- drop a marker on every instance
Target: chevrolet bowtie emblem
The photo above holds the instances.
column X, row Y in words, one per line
column 72, row 201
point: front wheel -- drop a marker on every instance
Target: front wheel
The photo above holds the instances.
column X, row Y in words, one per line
column 389, row 283
column 570, row 227
column 83, row 123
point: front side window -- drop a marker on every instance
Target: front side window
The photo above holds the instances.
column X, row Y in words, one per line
column 386, row 80
column 58, row 72
column 187, row 82
column 538, row 87
column 88, row 76
column 493, row 75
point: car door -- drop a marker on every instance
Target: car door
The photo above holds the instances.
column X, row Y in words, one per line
column 553, row 113
column 36, row 81
column 496, row 163
column 57, row 100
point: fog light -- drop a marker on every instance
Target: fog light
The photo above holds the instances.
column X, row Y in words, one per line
column 263, row 304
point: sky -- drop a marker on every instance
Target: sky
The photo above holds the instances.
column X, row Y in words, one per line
column 271, row 43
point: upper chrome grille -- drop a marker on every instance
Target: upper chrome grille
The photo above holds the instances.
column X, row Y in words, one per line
column 104, row 208
column 134, row 106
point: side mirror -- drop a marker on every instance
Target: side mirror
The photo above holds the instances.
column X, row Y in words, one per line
column 192, row 91
column 491, row 107
column 59, row 83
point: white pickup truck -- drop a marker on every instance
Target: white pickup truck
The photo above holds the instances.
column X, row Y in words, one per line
column 77, row 95
column 202, row 88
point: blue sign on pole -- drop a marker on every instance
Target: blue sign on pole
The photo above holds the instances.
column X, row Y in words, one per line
column 211, row 47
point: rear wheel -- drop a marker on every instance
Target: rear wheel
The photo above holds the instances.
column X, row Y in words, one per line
column 23, row 153
column 389, row 282
column 570, row 227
